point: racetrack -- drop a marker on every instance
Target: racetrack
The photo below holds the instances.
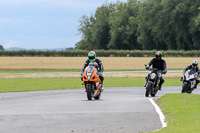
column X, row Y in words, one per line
column 120, row 110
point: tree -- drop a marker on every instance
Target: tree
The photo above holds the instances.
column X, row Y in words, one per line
column 96, row 30
column 144, row 24
column 123, row 22
column 101, row 32
column 165, row 24
column 86, row 29
column 194, row 29
column 2, row 48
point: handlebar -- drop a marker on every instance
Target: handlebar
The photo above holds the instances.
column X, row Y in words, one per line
column 154, row 69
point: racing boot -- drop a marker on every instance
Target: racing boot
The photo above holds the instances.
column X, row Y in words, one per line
column 102, row 88
column 101, row 78
column 197, row 82
column 195, row 87
column 181, row 79
column 160, row 86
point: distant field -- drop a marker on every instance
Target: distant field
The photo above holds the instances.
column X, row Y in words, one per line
column 76, row 63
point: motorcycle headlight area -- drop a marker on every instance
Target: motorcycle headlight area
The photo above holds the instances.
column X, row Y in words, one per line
column 153, row 75
column 89, row 75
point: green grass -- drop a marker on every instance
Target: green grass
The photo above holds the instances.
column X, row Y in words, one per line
column 10, row 85
column 36, row 84
column 126, row 82
column 182, row 113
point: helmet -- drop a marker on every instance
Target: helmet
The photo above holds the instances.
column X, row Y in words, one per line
column 91, row 55
column 158, row 54
column 195, row 63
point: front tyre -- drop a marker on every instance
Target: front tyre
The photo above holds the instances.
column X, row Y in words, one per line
column 89, row 92
column 184, row 87
column 148, row 88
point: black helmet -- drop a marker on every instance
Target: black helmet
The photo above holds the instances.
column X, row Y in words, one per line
column 91, row 55
column 195, row 63
column 158, row 54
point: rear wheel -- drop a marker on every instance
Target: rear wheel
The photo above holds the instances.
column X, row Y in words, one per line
column 184, row 87
column 148, row 88
column 152, row 94
column 98, row 96
column 89, row 92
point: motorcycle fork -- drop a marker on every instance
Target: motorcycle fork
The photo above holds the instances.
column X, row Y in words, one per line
column 152, row 84
column 157, row 84
column 88, row 85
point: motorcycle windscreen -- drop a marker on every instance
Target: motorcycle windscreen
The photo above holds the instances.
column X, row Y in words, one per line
column 191, row 72
column 89, row 71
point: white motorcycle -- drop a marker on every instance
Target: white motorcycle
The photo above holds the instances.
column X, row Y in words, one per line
column 189, row 81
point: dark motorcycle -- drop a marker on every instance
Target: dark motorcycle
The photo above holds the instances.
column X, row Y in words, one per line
column 189, row 81
column 153, row 80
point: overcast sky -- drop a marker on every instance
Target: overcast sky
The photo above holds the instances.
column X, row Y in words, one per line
column 34, row 24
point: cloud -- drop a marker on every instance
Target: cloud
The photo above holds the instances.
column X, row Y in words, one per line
column 6, row 20
column 11, row 20
column 10, row 44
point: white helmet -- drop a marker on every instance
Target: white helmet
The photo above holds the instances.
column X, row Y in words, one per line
column 195, row 63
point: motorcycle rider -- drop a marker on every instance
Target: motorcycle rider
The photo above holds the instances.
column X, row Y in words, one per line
column 160, row 64
column 194, row 66
column 92, row 58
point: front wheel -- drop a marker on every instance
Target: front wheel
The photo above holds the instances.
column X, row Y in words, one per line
column 184, row 87
column 89, row 92
column 148, row 88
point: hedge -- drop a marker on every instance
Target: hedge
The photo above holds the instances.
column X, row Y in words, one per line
column 100, row 53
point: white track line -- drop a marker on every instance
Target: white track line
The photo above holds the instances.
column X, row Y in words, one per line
column 158, row 110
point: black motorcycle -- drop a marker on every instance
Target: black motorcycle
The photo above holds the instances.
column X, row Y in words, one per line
column 153, row 80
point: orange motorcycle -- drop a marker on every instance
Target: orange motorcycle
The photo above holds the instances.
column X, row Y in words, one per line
column 92, row 81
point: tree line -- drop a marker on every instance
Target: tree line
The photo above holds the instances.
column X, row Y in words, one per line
column 142, row 25
column 100, row 53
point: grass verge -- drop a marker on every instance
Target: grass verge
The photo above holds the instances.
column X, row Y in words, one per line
column 38, row 84
column 182, row 113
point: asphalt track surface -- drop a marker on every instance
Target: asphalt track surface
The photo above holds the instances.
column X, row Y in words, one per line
column 120, row 110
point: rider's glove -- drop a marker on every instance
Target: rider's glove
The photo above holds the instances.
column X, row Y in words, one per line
column 163, row 72
column 147, row 67
column 81, row 76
